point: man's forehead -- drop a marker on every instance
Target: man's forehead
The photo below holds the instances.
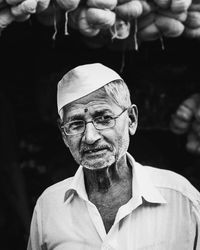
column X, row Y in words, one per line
column 94, row 101
column 92, row 109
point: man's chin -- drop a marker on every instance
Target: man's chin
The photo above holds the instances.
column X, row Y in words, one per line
column 97, row 164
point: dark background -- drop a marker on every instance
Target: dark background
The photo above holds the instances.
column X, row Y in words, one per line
column 31, row 63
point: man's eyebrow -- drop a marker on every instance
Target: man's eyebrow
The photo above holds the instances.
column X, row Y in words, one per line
column 95, row 114
column 102, row 112
column 75, row 117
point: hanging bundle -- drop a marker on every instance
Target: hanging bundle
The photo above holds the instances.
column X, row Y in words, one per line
column 186, row 120
column 192, row 23
column 163, row 18
column 102, row 4
column 128, row 11
column 16, row 10
column 146, row 20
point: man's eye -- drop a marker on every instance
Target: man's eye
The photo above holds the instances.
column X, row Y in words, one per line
column 75, row 125
column 104, row 119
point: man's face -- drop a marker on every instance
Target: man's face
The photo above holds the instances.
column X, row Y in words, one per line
column 96, row 149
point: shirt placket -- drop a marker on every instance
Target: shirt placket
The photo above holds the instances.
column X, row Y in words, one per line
column 96, row 219
column 110, row 240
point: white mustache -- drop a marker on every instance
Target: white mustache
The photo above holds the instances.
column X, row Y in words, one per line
column 100, row 147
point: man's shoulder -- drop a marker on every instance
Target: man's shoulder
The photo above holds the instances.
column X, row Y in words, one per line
column 172, row 182
column 56, row 191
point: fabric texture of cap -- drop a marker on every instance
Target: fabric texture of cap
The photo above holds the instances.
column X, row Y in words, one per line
column 82, row 81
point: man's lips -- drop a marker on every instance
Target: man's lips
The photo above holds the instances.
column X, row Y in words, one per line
column 94, row 150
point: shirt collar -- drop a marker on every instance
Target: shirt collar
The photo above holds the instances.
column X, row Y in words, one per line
column 141, row 185
column 77, row 186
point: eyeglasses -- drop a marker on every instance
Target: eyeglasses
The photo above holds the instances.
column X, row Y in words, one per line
column 100, row 123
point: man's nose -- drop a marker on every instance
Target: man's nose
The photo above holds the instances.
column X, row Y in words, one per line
column 91, row 134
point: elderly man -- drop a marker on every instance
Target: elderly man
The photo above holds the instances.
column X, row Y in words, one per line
column 112, row 202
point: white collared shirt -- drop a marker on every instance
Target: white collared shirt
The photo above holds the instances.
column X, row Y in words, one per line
column 163, row 214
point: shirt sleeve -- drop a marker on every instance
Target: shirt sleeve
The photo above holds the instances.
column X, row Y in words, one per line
column 196, row 214
column 34, row 242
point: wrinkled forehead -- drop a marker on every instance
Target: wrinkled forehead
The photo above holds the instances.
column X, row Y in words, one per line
column 95, row 99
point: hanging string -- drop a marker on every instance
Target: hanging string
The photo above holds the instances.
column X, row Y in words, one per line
column 123, row 62
column 113, row 31
column 54, row 23
column 66, row 23
column 162, row 43
column 135, row 34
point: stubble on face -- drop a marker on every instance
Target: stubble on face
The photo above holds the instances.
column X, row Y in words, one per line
column 98, row 163
column 112, row 156
column 104, row 157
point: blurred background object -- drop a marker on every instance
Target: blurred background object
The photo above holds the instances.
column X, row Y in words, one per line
column 15, row 210
column 130, row 22
column 186, row 120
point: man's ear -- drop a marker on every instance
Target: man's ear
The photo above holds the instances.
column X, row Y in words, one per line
column 133, row 119
column 59, row 123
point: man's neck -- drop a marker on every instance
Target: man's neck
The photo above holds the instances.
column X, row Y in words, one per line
column 106, row 179
column 109, row 189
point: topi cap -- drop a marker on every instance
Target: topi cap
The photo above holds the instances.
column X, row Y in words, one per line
column 82, row 81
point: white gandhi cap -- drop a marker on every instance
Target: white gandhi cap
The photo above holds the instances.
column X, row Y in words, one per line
column 82, row 81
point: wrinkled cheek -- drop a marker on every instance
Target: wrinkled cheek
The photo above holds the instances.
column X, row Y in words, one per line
column 74, row 148
column 123, row 144
column 75, row 155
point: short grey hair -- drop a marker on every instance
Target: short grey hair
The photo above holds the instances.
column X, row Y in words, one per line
column 117, row 90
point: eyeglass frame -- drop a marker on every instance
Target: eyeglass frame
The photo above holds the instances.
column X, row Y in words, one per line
column 92, row 121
